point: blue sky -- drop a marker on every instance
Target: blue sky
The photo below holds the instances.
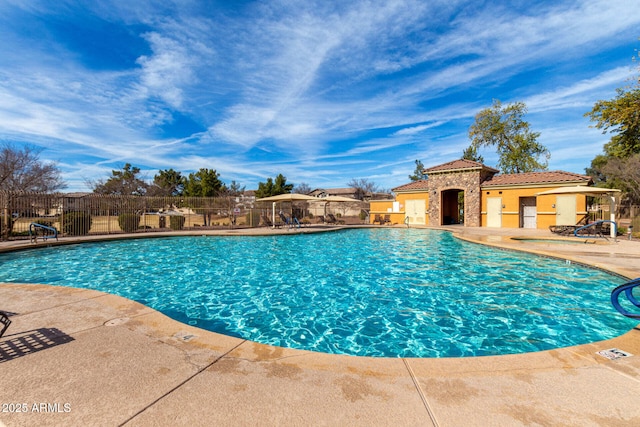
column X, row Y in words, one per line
column 320, row 91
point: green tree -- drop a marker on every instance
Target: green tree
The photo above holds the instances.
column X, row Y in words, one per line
column 471, row 153
column 123, row 182
column 235, row 189
column 168, row 182
column 617, row 166
column 620, row 116
column 505, row 129
column 274, row 188
column 204, row 183
column 418, row 173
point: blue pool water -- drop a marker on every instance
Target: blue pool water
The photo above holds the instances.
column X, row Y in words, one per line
column 369, row 292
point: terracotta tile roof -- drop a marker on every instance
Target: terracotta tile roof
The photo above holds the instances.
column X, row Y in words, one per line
column 546, row 177
column 459, row 164
column 421, row 184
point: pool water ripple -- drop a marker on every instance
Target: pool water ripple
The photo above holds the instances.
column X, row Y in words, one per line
column 370, row 292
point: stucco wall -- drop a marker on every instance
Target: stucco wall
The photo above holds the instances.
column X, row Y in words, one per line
column 545, row 205
column 385, row 207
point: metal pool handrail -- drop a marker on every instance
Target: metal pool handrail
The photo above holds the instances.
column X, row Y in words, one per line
column 33, row 236
column 627, row 288
column 596, row 224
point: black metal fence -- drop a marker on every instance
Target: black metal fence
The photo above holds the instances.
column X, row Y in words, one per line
column 89, row 213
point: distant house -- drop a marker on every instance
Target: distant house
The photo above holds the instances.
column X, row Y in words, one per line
column 246, row 200
column 324, row 192
column 470, row 193
column 346, row 192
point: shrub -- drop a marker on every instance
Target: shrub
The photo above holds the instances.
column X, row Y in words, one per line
column 176, row 222
column 128, row 222
column 76, row 223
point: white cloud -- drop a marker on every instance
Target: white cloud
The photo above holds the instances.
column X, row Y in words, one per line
column 319, row 90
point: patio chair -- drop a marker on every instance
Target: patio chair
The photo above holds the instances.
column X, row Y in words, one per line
column 377, row 219
column 387, row 219
column 4, row 323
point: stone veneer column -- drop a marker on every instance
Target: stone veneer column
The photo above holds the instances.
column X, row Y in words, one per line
column 467, row 181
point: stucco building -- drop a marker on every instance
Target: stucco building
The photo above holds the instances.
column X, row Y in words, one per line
column 470, row 193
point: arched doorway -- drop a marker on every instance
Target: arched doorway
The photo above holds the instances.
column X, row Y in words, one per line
column 452, row 207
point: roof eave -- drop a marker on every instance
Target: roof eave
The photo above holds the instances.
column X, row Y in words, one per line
column 536, row 184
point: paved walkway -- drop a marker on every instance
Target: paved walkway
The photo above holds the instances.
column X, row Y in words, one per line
column 81, row 357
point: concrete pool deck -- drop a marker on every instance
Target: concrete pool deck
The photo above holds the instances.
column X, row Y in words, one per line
column 82, row 357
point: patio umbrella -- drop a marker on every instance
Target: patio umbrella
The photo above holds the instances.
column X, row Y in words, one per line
column 589, row 191
column 339, row 199
column 330, row 199
column 287, row 197
column 580, row 189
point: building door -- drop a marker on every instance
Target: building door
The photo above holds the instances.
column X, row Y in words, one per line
column 528, row 212
column 494, row 211
column 415, row 211
column 566, row 209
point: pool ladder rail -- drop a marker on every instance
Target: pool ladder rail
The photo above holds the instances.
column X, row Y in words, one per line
column 33, row 232
column 595, row 229
column 627, row 288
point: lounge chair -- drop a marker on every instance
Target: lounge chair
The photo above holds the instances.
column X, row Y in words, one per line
column 4, row 323
column 567, row 230
column 377, row 219
column 285, row 219
column 387, row 219
column 268, row 222
column 331, row 219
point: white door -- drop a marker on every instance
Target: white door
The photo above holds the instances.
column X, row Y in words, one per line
column 529, row 214
column 415, row 211
column 566, row 210
column 494, row 211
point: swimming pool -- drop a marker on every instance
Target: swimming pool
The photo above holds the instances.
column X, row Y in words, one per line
column 369, row 292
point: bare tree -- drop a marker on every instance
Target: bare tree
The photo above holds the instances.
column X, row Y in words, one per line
column 625, row 174
column 363, row 188
column 22, row 170
column 302, row 188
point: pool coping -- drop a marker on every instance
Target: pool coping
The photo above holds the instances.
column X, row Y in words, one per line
column 126, row 364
